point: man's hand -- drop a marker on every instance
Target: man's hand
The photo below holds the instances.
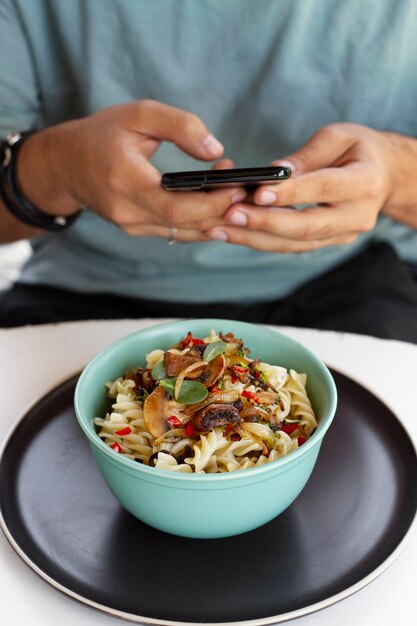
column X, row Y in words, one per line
column 103, row 162
column 349, row 173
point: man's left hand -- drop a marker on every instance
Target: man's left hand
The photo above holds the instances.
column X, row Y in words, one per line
column 348, row 173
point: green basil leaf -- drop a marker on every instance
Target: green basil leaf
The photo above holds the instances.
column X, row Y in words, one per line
column 191, row 392
column 169, row 385
column 158, row 372
column 213, row 350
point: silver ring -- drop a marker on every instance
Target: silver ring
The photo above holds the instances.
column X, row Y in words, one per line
column 172, row 236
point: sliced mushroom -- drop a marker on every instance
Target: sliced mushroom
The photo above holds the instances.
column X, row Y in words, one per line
column 238, row 404
column 215, row 415
column 198, row 350
column 267, row 397
column 154, row 409
column 250, row 414
column 142, row 377
column 217, row 397
column 212, row 372
column 230, row 338
column 234, row 343
column 176, row 363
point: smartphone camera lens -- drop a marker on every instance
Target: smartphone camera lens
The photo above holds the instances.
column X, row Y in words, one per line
column 284, row 172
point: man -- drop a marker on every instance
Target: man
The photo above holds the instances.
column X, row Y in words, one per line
column 121, row 91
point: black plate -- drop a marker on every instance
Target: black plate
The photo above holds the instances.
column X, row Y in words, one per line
column 354, row 513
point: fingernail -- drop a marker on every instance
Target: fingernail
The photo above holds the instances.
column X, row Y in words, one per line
column 267, row 197
column 220, row 235
column 238, row 218
column 239, row 196
column 212, row 146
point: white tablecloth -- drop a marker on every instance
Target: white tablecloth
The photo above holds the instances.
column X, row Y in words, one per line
column 34, row 359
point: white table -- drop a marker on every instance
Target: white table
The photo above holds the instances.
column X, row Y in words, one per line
column 34, row 359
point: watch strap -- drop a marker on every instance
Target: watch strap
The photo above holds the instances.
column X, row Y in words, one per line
column 12, row 195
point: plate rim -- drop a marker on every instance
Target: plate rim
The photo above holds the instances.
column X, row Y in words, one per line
column 151, row 621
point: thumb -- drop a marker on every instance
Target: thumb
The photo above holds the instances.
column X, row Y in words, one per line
column 166, row 123
column 322, row 150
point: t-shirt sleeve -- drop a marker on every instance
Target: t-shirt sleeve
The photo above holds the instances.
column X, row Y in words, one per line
column 20, row 102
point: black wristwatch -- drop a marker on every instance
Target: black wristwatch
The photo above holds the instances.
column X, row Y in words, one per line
column 12, row 196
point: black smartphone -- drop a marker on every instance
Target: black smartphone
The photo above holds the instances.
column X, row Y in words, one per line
column 208, row 179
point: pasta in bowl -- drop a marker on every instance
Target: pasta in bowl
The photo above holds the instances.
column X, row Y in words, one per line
column 207, row 428
column 205, row 406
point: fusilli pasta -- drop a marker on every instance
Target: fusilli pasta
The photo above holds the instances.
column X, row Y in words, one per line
column 248, row 412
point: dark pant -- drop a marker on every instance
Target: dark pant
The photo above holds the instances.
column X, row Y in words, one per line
column 374, row 293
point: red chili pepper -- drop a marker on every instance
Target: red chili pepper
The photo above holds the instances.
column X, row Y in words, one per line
column 234, row 379
column 289, row 428
column 301, row 440
column 174, row 421
column 124, row 431
column 116, row 447
column 190, row 429
column 227, row 430
column 240, row 370
column 188, row 339
column 250, row 395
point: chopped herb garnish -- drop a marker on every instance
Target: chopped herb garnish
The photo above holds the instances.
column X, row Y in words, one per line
column 213, row 350
column 169, row 385
column 191, row 392
column 158, row 372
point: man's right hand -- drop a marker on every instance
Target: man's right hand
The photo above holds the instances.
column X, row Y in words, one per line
column 103, row 162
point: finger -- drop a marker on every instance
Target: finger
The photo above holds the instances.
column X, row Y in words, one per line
column 181, row 210
column 189, row 207
column 204, row 225
column 172, row 235
column 329, row 185
column 322, row 150
column 259, row 240
column 137, row 221
column 223, row 164
column 315, row 223
column 172, row 208
column 163, row 122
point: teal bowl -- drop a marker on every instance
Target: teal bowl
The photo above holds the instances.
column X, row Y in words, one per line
column 204, row 505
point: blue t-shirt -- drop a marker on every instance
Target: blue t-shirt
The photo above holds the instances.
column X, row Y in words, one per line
column 263, row 75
